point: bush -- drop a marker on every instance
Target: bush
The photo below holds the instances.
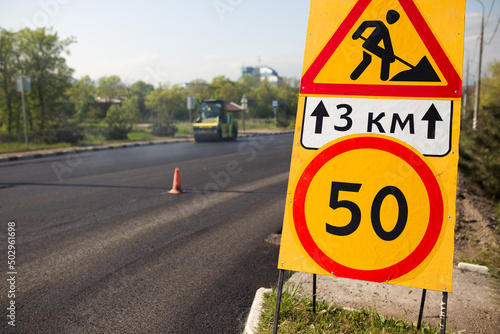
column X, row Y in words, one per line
column 61, row 130
column 118, row 124
column 282, row 120
column 117, row 131
column 480, row 151
column 163, row 126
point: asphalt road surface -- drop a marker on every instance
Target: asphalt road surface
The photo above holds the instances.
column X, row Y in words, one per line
column 101, row 247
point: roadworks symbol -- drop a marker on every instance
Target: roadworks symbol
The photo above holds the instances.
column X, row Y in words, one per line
column 379, row 43
column 382, row 48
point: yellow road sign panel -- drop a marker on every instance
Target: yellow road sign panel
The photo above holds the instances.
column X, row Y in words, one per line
column 372, row 184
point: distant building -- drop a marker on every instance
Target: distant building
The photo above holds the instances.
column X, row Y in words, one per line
column 231, row 106
column 261, row 73
column 113, row 100
column 182, row 85
column 187, row 85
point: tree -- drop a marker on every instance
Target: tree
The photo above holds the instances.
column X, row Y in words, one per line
column 260, row 99
column 8, row 61
column 491, row 86
column 109, row 90
column 130, row 110
column 140, row 90
column 197, row 88
column 223, row 88
column 110, row 87
column 480, row 149
column 82, row 95
column 176, row 99
column 288, row 96
column 120, row 119
column 41, row 59
column 161, row 115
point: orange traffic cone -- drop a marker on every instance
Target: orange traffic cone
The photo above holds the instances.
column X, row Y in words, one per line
column 176, row 188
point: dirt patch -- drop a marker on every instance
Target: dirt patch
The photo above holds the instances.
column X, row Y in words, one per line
column 476, row 224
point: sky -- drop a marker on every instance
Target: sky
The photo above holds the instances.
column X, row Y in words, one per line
column 173, row 41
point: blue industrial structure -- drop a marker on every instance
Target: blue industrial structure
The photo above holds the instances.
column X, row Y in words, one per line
column 261, row 73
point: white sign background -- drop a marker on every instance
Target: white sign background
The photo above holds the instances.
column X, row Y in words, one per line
column 405, row 120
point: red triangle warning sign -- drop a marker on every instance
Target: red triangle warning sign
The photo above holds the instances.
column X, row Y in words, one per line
column 372, row 54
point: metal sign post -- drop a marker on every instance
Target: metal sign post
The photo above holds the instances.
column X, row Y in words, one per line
column 278, row 300
column 444, row 308
column 275, row 107
column 190, row 107
column 244, row 104
column 24, row 85
column 421, row 312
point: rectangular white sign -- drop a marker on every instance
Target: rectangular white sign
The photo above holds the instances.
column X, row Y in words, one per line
column 423, row 124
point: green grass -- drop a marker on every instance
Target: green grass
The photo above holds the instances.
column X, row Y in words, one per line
column 140, row 134
column 296, row 316
column 183, row 129
column 12, row 147
column 489, row 258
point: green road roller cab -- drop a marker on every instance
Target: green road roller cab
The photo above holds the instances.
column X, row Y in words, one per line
column 214, row 123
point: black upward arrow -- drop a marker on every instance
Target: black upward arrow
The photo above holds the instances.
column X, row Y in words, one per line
column 319, row 113
column 432, row 116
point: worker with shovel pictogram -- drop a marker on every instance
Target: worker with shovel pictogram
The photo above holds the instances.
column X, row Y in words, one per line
column 422, row 72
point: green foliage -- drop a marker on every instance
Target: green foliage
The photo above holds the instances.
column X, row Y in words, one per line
column 140, row 90
column 82, row 94
column 61, row 130
column 480, row 149
column 197, row 88
column 118, row 128
column 37, row 54
column 110, row 87
column 259, row 96
column 162, row 117
column 491, row 86
column 260, row 100
column 163, row 126
column 120, row 119
column 9, row 57
column 296, row 316
column 41, row 58
column 223, row 88
column 281, row 120
column 130, row 110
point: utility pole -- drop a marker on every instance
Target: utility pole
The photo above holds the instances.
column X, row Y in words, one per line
column 244, row 104
column 478, row 82
column 190, row 107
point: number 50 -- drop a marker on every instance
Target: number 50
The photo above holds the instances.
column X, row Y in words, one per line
column 353, row 225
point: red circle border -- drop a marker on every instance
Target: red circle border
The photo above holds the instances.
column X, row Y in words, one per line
column 434, row 194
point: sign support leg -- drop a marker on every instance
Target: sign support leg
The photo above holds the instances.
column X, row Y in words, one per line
column 421, row 313
column 314, row 293
column 278, row 300
column 444, row 307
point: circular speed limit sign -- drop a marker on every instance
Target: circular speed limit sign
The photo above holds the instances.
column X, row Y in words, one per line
column 368, row 207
